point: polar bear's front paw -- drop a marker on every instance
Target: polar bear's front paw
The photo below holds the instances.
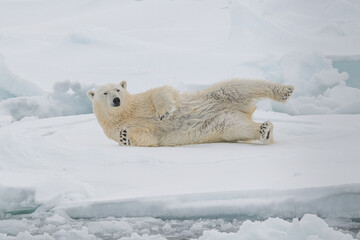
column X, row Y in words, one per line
column 124, row 140
column 266, row 132
column 166, row 114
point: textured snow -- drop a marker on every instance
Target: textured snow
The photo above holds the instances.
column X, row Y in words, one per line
column 307, row 227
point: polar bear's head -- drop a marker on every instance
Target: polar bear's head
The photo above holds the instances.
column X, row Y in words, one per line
column 111, row 95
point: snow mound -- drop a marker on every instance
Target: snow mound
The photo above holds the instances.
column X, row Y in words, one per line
column 67, row 98
column 319, row 87
column 14, row 86
column 20, row 98
column 310, row 227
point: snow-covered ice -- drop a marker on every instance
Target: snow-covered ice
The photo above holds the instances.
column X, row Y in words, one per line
column 72, row 154
column 61, row 178
column 86, row 176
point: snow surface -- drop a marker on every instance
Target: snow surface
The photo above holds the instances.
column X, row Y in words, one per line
column 73, row 154
column 57, row 164
column 61, row 178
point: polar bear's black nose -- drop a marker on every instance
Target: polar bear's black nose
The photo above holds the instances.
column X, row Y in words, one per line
column 116, row 102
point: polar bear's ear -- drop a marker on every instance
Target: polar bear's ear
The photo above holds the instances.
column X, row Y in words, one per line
column 91, row 94
column 123, row 84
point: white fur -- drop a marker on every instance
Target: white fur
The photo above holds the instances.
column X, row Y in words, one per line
column 163, row 117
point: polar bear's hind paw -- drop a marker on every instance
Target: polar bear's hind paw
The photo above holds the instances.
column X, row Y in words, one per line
column 287, row 92
column 266, row 130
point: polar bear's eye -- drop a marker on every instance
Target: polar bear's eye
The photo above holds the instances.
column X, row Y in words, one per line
column 117, row 90
column 105, row 93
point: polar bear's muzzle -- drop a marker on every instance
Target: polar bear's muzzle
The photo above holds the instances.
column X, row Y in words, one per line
column 115, row 102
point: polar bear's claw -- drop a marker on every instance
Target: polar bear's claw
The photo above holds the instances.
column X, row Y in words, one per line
column 164, row 115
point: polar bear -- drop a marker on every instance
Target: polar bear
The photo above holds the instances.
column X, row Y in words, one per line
column 164, row 117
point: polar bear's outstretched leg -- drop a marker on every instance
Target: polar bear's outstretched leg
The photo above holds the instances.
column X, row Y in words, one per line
column 235, row 126
column 226, row 126
column 246, row 90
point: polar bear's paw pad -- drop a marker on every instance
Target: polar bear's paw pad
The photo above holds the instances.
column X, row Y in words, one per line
column 286, row 92
column 266, row 129
column 124, row 140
